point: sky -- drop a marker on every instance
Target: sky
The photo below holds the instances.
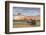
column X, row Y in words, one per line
column 26, row 11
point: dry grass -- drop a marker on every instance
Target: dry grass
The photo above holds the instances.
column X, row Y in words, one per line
column 22, row 25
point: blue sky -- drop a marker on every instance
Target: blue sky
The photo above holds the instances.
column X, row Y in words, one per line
column 26, row 11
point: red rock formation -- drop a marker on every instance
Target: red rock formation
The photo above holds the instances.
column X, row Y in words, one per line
column 28, row 17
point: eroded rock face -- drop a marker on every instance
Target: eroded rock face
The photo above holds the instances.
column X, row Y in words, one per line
column 26, row 18
column 22, row 18
column 18, row 17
